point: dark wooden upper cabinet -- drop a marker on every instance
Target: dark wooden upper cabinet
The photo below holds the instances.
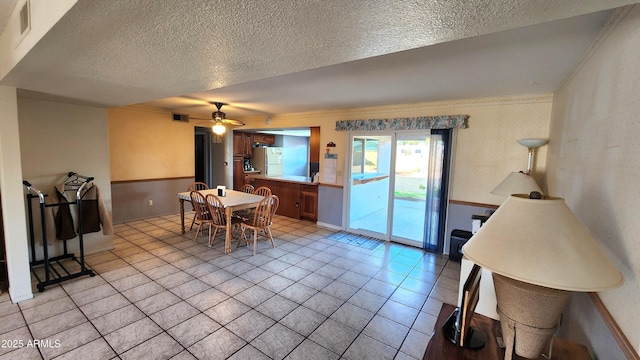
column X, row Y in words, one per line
column 314, row 144
column 264, row 139
column 238, row 143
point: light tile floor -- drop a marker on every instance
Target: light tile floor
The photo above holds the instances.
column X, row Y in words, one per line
column 159, row 295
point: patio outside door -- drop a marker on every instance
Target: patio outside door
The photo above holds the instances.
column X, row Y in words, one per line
column 369, row 185
column 411, row 180
column 395, row 187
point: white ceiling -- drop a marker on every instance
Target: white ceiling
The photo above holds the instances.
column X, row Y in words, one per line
column 273, row 56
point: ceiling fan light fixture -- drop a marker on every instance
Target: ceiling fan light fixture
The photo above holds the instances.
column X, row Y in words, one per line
column 218, row 128
column 218, row 115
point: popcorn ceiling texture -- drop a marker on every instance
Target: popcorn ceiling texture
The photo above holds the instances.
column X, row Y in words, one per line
column 593, row 162
column 135, row 51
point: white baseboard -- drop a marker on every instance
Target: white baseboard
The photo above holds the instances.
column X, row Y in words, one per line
column 329, row 226
column 22, row 297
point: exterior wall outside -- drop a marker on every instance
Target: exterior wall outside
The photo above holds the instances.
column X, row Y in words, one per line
column 592, row 163
column 57, row 138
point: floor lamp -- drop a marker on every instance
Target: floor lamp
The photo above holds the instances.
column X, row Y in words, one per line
column 539, row 253
column 521, row 182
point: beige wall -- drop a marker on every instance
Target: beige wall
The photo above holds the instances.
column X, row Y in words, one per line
column 485, row 152
column 148, row 144
column 57, row 138
column 593, row 160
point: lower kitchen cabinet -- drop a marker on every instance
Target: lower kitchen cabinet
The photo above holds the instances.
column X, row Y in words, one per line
column 238, row 172
column 298, row 201
column 309, row 202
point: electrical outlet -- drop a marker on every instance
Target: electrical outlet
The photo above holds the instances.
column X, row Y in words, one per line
column 150, row 202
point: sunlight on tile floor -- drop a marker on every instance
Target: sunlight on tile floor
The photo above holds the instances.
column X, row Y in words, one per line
column 159, row 294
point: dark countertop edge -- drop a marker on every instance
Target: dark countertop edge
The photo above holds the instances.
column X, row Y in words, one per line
column 263, row 177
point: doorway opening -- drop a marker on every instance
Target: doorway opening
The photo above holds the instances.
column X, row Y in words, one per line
column 209, row 158
column 397, row 186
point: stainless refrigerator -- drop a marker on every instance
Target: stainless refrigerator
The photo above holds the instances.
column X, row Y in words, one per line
column 269, row 160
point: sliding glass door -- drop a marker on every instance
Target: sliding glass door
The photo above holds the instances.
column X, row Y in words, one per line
column 396, row 186
column 369, row 184
column 411, row 179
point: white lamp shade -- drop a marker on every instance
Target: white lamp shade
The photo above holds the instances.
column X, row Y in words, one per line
column 218, row 128
column 541, row 242
column 517, row 183
column 532, row 143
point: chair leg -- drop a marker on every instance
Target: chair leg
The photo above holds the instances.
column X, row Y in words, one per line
column 209, row 234
column 244, row 236
column 240, row 238
column 271, row 237
column 255, row 240
column 212, row 239
column 193, row 221
column 195, row 239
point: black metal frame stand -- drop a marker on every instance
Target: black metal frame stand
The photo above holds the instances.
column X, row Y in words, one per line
column 51, row 274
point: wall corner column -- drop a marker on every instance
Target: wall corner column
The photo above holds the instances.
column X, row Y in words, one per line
column 13, row 208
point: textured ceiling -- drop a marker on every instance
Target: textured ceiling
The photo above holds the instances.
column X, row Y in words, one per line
column 276, row 56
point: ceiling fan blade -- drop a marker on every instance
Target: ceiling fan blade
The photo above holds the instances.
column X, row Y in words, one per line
column 233, row 122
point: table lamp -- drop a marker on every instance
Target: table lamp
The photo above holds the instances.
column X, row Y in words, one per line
column 539, row 253
column 521, row 182
column 517, row 183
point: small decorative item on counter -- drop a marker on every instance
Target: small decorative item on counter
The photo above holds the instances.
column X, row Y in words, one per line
column 330, row 145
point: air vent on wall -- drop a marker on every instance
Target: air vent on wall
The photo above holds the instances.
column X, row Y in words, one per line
column 21, row 21
column 25, row 24
column 181, row 117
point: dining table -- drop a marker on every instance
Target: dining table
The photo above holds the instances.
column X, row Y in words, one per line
column 232, row 201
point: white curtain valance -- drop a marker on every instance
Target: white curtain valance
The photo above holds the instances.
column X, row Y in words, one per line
column 414, row 123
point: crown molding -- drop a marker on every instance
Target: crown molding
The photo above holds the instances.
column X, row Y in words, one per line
column 612, row 24
column 425, row 108
column 397, row 110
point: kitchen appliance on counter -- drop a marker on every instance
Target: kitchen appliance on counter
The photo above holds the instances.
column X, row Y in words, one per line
column 247, row 165
column 269, row 160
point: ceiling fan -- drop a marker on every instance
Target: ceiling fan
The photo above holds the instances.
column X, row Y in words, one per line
column 220, row 121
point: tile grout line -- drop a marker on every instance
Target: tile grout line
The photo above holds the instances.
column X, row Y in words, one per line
column 242, row 259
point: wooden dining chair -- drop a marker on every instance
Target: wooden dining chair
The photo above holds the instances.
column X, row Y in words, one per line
column 262, row 191
column 259, row 223
column 247, row 214
column 218, row 217
column 196, row 186
column 248, row 188
column 203, row 216
column 275, row 202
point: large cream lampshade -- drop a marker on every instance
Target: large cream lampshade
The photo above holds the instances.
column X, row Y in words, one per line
column 539, row 252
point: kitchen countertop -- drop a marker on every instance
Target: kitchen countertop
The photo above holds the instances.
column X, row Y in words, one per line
column 287, row 178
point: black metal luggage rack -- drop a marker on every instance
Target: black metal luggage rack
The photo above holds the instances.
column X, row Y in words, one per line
column 73, row 182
